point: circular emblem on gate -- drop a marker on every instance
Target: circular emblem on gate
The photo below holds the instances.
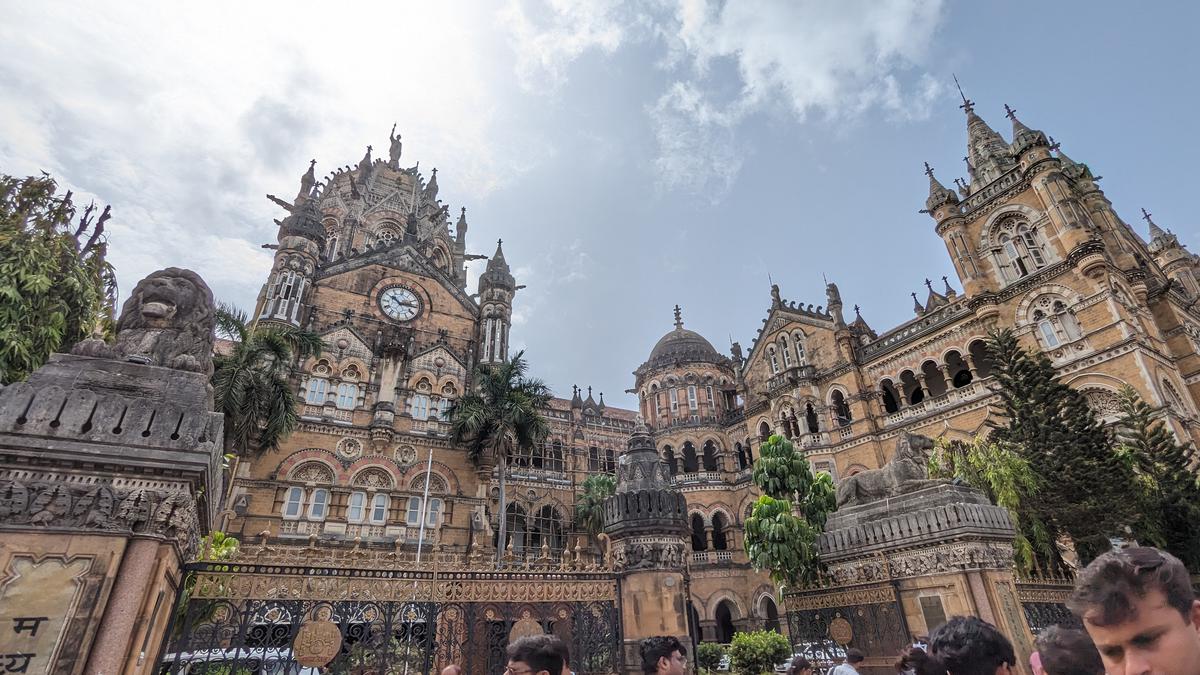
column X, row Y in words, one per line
column 316, row 643
column 524, row 627
column 841, row 631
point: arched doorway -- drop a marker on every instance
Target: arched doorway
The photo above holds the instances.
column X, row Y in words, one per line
column 770, row 614
column 724, row 619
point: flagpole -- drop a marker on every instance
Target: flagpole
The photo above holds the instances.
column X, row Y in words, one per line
column 420, row 543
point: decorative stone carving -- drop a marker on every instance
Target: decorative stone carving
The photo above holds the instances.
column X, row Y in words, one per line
column 349, row 448
column 167, row 321
column 905, row 473
column 51, row 504
column 312, row 472
column 373, row 478
column 644, row 553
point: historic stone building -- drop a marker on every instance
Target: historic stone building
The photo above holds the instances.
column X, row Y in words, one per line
column 369, row 258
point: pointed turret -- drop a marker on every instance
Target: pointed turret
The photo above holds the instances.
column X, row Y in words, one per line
column 860, row 327
column 364, row 165
column 939, row 195
column 307, row 182
column 918, row 308
column 1024, row 138
column 935, row 299
column 1156, row 232
column 430, row 193
column 460, row 228
column 497, row 272
column 576, row 399
column 600, row 406
column 496, row 290
column 949, row 292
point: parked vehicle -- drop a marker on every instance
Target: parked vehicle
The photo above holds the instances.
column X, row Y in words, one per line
column 243, row 661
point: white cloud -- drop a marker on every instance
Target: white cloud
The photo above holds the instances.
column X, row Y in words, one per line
column 839, row 59
column 182, row 118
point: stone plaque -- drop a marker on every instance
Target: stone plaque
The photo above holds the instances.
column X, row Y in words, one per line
column 37, row 599
column 840, row 631
column 316, row 643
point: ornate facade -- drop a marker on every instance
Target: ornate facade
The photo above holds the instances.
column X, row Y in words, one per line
column 368, row 258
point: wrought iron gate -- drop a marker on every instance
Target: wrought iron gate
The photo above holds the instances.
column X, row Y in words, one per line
column 823, row 622
column 380, row 614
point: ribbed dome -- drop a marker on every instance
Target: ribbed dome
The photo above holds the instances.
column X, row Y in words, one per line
column 684, row 344
column 681, row 346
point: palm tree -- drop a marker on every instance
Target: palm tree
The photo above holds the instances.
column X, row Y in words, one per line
column 501, row 415
column 250, row 385
column 589, row 509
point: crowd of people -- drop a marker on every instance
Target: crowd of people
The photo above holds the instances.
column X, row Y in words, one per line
column 1139, row 613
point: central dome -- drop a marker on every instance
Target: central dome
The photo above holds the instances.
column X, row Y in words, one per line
column 682, row 346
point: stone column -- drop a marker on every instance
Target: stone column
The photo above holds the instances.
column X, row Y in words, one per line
column 647, row 522
column 112, row 455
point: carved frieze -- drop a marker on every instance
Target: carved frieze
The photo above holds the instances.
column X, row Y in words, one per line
column 170, row 514
column 959, row 557
column 648, row 553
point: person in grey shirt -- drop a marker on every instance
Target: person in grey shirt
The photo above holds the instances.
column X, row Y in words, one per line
column 850, row 667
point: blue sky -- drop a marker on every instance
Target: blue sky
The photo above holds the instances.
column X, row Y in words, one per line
column 632, row 155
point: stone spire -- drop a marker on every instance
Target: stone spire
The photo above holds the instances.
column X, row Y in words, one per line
column 939, row 195
column 645, row 501
column 860, row 326
column 576, row 399
column 497, row 272
column 307, row 182
column 917, row 306
column 987, row 152
column 430, row 193
column 460, row 228
column 1024, row 137
column 935, row 299
column 1156, row 232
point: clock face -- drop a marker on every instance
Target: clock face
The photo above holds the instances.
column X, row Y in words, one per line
column 400, row 303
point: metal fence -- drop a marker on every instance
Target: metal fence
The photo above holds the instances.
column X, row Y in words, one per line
column 277, row 611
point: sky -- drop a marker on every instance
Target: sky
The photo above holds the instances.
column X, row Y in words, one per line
column 632, row 155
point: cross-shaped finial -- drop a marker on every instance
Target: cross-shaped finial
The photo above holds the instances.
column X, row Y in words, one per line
column 1009, row 112
column 368, row 148
column 463, row 212
column 435, row 172
column 929, row 284
column 945, row 280
column 499, row 242
column 1054, row 144
column 1146, row 216
column 589, row 391
column 928, row 170
column 856, row 311
column 678, row 317
column 312, row 163
column 967, row 104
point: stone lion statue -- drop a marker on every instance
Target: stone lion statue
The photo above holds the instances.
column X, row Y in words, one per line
column 167, row 321
column 906, row 472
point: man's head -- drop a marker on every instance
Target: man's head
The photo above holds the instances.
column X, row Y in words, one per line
column 854, row 656
column 452, row 669
column 663, row 655
column 1068, row 651
column 1139, row 608
column 968, row 645
column 538, row 654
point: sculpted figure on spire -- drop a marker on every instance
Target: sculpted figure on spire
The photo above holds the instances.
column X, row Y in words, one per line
column 394, row 149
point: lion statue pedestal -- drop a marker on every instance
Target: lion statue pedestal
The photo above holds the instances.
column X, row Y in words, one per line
column 916, row 549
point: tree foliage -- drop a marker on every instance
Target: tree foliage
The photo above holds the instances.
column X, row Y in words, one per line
column 56, row 285
column 782, row 530
column 251, row 385
column 1167, row 496
column 500, row 414
column 589, row 505
column 709, row 655
column 757, row 652
column 1085, row 484
column 999, row 471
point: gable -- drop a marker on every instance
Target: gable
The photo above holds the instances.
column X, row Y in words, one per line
column 404, row 258
column 356, row 346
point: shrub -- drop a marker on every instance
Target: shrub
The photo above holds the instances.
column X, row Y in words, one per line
column 708, row 655
column 758, row 652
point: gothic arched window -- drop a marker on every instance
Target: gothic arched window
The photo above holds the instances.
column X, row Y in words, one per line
column 774, row 360
column 798, row 339
column 1022, row 251
column 787, row 353
column 1055, row 322
column 841, row 409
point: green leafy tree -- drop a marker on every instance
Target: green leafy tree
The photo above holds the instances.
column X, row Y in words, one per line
column 1168, row 496
column 500, row 415
column 214, row 547
column 709, row 655
column 757, row 652
column 56, row 285
column 589, row 505
column 782, row 530
column 999, row 471
column 1085, row 485
column 251, row 386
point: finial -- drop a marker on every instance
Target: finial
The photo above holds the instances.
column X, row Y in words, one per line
column 678, row 318
column 368, row 148
column 1146, row 216
column 929, row 284
column 1054, row 145
column 434, row 176
column 499, row 242
column 462, row 213
column 857, row 312
column 968, row 105
column 928, row 170
column 1009, row 112
column 311, row 163
column 949, row 290
column 589, row 391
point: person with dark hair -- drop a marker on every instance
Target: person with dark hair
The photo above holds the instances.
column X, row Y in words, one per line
column 1068, row 651
column 968, row 645
column 799, row 666
column 662, row 655
column 915, row 661
column 1138, row 606
column 452, row 669
column 538, row 654
column 850, row 667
